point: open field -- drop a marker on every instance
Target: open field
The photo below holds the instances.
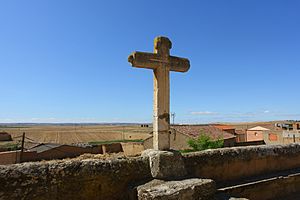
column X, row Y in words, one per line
column 67, row 134
column 83, row 133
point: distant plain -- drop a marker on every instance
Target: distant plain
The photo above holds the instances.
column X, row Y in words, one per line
column 69, row 134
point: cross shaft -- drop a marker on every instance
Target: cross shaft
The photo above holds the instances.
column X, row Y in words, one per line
column 161, row 63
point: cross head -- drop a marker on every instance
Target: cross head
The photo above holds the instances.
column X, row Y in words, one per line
column 161, row 63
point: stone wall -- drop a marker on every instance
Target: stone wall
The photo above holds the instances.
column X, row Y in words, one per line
column 110, row 179
column 72, row 179
column 241, row 162
column 281, row 187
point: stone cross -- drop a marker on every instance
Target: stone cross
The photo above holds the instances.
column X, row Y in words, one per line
column 161, row 63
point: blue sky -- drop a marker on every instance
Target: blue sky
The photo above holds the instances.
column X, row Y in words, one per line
column 66, row 61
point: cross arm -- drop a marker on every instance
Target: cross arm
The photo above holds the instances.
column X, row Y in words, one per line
column 179, row 64
column 144, row 60
column 152, row 61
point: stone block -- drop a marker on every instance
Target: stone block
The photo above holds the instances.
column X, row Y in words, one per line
column 188, row 189
column 165, row 164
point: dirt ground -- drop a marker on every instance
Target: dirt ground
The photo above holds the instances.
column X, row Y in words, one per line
column 67, row 134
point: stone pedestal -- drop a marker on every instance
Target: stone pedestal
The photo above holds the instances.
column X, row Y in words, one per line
column 165, row 164
column 167, row 167
column 187, row 189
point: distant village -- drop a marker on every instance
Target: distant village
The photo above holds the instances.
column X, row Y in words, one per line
column 233, row 135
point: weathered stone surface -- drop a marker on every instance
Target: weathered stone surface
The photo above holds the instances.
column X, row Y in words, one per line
column 224, row 196
column 72, row 179
column 162, row 63
column 110, row 179
column 165, row 164
column 223, row 165
column 188, row 189
column 278, row 186
column 152, row 61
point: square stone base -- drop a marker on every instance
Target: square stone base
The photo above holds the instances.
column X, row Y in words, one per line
column 188, row 189
column 165, row 164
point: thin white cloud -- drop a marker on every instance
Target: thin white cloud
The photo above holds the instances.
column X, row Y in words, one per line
column 203, row 113
column 287, row 114
column 231, row 115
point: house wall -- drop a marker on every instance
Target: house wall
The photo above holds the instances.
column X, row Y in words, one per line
column 230, row 142
column 178, row 141
column 254, row 135
column 94, row 149
column 132, row 148
column 12, row 157
column 240, row 137
column 9, row 157
column 251, row 143
column 148, row 143
column 291, row 140
column 112, row 148
column 289, row 137
column 28, row 156
column 273, row 137
column 65, row 151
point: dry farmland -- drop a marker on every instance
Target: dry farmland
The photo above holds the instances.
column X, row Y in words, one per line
column 68, row 134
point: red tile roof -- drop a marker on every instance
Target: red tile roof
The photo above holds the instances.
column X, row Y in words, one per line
column 224, row 127
column 196, row 130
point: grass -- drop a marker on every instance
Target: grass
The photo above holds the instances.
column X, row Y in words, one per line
column 113, row 141
column 187, row 150
column 10, row 146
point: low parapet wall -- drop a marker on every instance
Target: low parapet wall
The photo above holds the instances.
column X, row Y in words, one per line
column 236, row 163
column 72, row 179
column 110, row 179
column 281, row 186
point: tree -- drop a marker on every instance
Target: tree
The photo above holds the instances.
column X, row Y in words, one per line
column 204, row 141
